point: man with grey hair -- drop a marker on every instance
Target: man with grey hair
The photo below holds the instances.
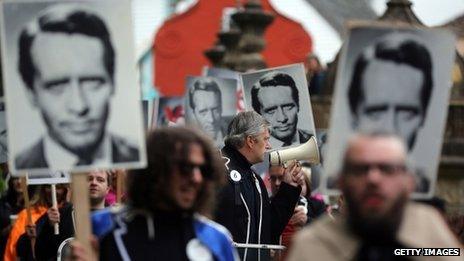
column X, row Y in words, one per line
column 244, row 206
column 379, row 219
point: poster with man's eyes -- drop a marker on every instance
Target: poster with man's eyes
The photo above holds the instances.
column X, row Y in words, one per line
column 210, row 104
column 281, row 96
column 392, row 80
column 70, row 86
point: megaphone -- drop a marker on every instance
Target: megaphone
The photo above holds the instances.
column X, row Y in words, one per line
column 307, row 151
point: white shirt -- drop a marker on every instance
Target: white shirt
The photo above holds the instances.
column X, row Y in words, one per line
column 276, row 143
column 58, row 157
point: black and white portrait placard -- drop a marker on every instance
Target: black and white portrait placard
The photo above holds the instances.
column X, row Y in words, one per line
column 210, row 104
column 281, row 96
column 169, row 111
column 148, row 113
column 56, row 177
column 397, row 80
column 70, row 85
column 228, row 74
column 221, row 73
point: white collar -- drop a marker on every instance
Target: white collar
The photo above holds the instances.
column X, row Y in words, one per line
column 276, row 143
column 58, row 157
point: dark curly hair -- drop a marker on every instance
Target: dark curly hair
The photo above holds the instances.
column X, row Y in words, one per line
column 166, row 148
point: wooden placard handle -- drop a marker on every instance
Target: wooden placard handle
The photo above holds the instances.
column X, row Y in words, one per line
column 27, row 206
column 56, row 227
column 81, row 202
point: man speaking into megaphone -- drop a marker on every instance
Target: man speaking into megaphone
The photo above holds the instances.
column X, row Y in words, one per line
column 244, row 206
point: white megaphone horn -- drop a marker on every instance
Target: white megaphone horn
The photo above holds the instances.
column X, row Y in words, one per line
column 307, row 151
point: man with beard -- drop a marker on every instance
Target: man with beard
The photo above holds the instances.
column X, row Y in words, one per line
column 48, row 243
column 376, row 184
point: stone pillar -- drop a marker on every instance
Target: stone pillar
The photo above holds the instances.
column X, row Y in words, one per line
column 252, row 21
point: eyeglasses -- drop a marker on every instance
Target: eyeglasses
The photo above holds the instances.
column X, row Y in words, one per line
column 187, row 168
column 388, row 169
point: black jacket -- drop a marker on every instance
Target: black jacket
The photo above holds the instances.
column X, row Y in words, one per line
column 47, row 243
column 171, row 233
column 245, row 209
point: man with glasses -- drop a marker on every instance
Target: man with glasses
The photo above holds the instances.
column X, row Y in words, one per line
column 379, row 218
column 163, row 219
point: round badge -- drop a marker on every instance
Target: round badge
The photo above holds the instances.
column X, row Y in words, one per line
column 196, row 251
column 235, row 176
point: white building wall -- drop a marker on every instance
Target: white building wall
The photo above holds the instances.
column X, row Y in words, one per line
column 326, row 41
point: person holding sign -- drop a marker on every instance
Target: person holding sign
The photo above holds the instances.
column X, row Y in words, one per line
column 244, row 206
column 376, row 182
column 47, row 241
column 67, row 63
column 38, row 206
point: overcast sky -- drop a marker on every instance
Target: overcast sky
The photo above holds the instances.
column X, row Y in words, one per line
column 149, row 15
column 431, row 12
column 326, row 40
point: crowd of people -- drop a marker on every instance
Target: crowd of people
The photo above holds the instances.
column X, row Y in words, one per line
column 192, row 201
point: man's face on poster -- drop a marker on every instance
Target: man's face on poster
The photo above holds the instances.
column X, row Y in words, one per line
column 280, row 110
column 391, row 99
column 208, row 111
column 71, row 88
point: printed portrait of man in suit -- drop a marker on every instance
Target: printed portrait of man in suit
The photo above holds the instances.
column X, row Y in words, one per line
column 391, row 86
column 276, row 97
column 67, row 63
column 391, row 89
column 392, row 79
column 210, row 105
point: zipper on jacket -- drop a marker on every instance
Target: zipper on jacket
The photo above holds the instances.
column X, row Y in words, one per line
column 260, row 214
column 248, row 226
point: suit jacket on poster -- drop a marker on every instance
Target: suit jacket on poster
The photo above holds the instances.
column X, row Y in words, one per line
column 304, row 135
column 34, row 157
